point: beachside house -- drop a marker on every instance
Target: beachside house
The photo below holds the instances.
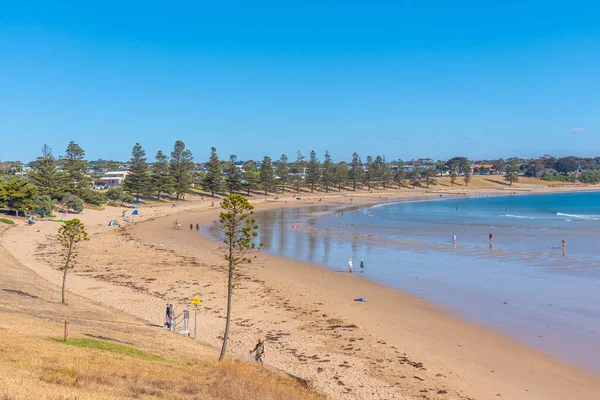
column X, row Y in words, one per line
column 114, row 178
column 483, row 169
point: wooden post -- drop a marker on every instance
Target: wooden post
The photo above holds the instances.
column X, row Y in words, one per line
column 65, row 332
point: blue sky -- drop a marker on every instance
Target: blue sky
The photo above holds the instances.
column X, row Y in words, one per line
column 401, row 78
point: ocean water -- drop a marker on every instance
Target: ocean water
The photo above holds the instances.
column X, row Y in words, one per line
column 526, row 285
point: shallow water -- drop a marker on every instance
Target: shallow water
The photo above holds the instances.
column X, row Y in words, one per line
column 524, row 286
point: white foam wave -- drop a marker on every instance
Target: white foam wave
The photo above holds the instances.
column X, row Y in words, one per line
column 521, row 216
column 580, row 216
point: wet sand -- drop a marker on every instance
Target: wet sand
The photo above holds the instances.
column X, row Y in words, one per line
column 395, row 346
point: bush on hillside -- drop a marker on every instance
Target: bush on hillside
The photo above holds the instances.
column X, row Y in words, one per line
column 590, row 177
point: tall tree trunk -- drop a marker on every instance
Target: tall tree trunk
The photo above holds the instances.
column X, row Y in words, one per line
column 64, row 282
column 229, row 290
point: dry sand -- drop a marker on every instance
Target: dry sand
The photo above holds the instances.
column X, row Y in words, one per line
column 395, row 346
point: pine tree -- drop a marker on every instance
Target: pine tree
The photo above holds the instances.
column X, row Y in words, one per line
column 340, row 175
column 298, row 171
column 162, row 181
column 17, row 194
column 376, row 169
column 283, row 170
column 239, row 229
column 138, row 181
column 70, row 233
column 251, row 177
column 233, row 180
column 213, row 180
column 400, row 174
column 386, row 174
column 76, row 169
column 313, row 174
column 369, row 171
column 180, row 168
column 45, row 176
column 356, row 170
column 327, row 172
column 267, row 175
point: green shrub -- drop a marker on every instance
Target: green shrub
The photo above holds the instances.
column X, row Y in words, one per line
column 93, row 197
column 590, row 177
column 119, row 195
column 7, row 221
column 72, row 202
column 43, row 204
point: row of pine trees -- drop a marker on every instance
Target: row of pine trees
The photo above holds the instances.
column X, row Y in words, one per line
column 177, row 174
column 68, row 179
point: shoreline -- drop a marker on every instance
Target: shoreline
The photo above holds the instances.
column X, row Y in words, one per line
column 308, row 308
column 328, row 246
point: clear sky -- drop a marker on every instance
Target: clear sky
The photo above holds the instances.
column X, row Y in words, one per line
column 401, row 78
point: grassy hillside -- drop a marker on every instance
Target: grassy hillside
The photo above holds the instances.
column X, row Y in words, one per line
column 110, row 355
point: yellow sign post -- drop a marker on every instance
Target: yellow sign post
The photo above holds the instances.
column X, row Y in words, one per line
column 196, row 302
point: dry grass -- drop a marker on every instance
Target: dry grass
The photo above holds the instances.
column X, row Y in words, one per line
column 34, row 367
column 110, row 355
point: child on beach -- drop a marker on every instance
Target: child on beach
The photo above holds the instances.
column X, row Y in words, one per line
column 362, row 265
column 350, row 265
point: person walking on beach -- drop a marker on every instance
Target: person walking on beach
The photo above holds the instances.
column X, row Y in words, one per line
column 197, row 226
column 350, row 265
column 454, row 239
column 260, row 351
column 191, row 227
column 362, row 265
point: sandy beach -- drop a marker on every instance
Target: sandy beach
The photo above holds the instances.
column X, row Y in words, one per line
column 393, row 347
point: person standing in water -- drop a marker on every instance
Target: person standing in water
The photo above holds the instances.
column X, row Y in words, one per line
column 454, row 239
column 350, row 265
column 362, row 265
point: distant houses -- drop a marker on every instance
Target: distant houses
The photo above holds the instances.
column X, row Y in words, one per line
column 113, row 179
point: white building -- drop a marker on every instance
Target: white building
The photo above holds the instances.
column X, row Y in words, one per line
column 114, row 178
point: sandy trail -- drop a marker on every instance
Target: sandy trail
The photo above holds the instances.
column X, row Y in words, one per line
column 395, row 346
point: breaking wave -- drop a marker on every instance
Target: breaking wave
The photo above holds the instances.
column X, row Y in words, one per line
column 580, row 216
